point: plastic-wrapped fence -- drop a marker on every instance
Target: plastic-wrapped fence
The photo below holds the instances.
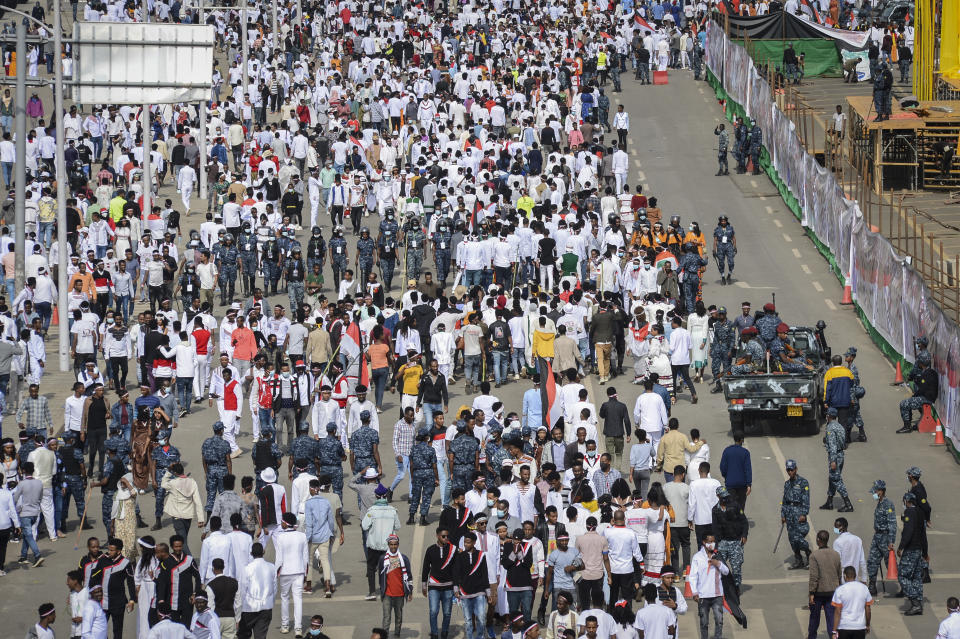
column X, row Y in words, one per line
column 894, row 302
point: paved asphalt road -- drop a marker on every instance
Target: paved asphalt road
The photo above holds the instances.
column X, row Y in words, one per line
column 673, row 154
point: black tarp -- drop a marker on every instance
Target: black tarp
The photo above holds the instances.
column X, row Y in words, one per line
column 784, row 26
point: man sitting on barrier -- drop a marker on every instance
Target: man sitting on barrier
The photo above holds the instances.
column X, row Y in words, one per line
column 927, row 387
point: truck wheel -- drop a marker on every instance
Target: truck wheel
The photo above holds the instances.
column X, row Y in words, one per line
column 736, row 423
column 811, row 425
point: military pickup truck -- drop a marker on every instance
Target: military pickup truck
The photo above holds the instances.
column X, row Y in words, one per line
column 794, row 400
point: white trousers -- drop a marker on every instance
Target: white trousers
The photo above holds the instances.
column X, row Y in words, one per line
column 314, row 208
column 291, row 584
column 446, row 370
column 46, row 509
column 185, row 195
column 621, row 180
column 230, row 424
column 201, row 376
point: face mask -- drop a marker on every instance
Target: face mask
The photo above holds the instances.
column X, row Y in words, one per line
column 646, row 267
column 604, row 467
column 315, row 632
column 876, row 497
column 836, row 531
column 109, row 321
column 286, row 375
column 591, row 454
column 162, row 442
column 491, row 503
column 501, row 514
column 709, row 546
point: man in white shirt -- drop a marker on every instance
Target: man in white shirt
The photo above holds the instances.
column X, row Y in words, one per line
column 44, row 461
column 292, row 562
column 850, row 548
column 216, row 545
column 94, row 623
column 258, row 590
column 623, row 550
column 73, row 409
column 650, row 413
column 655, row 620
column 680, row 346
column 705, row 573
column 950, row 627
column 700, row 503
column 852, row 601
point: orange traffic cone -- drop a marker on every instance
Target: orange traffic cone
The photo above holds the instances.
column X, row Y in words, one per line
column 898, row 378
column 687, row 593
column 927, row 423
column 938, row 440
column 847, row 299
column 55, row 320
column 892, row 566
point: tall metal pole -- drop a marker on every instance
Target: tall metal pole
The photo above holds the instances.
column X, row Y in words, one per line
column 202, row 143
column 20, row 128
column 63, row 183
column 273, row 33
column 147, row 136
column 245, row 49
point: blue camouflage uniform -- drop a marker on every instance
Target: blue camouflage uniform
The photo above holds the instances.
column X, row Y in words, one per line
column 721, row 349
column 725, row 249
column 796, row 504
column 330, row 455
column 756, row 143
column 339, row 262
column 740, row 135
column 415, row 240
column 496, row 454
column 162, row 460
column 362, row 443
column 113, row 469
column 756, row 350
column 913, row 548
column 266, row 454
column 835, row 441
column 120, row 444
column 690, row 264
column 304, row 447
column 767, row 327
column 422, row 460
column 442, row 246
column 295, row 273
column 776, row 348
column 365, row 249
column 226, row 263
column 73, row 479
column 856, row 392
column 884, row 535
column 247, row 244
column 316, row 251
column 270, row 258
column 464, row 448
column 387, row 249
column 214, row 451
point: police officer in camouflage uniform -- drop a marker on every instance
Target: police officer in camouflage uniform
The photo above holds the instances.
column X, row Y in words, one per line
column 338, row 255
column 113, row 470
column 228, row 263
column 28, row 443
column 464, row 457
column 913, row 552
column 303, row 448
column 740, row 134
column 270, row 258
column 767, row 324
column 366, row 254
column 330, row 456
column 442, row 245
column 316, row 249
column 414, row 241
column 215, row 452
column 364, row 445
column 730, row 528
column 424, row 477
column 721, row 349
column 217, row 247
column 120, row 442
column 161, row 457
column 266, row 453
column 724, row 247
column 495, row 452
column 756, row 143
column 835, row 442
column 856, row 393
column 753, row 352
column 387, row 254
column 74, row 476
column 794, row 508
column 926, row 391
column 247, row 245
column 884, row 532
column 294, row 272
column 689, row 264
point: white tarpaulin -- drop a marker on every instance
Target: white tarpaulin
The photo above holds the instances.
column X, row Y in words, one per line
column 165, row 63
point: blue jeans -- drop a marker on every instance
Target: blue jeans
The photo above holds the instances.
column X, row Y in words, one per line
column 445, row 484
column 475, row 608
column 521, row 600
column 45, row 233
column 471, row 369
column 123, row 306
column 501, row 362
column 11, row 284
column 266, row 419
column 380, row 378
column 429, row 410
column 517, row 360
column 472, row 278
column 26, row 532
column 185, row 392
column 402, row 467
column 7, row 173
column 437, row 598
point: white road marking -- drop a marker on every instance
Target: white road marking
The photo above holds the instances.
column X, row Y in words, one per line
column 754, row 184
column 781, row 463
column 831, row 305
column 700, row 89
column 778, row 223
column 641, row 175
column 418, row 534
column 796, row 253
column 637, row 163
column 816, row 285
column 769, row 209
column 805, row 269
column 787, row 238
column 743, row 284
column 646, row 187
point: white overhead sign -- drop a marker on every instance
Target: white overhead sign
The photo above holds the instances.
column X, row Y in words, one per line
column 137, row 63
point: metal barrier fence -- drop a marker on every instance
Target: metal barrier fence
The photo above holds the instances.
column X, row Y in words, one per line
column 900, row 288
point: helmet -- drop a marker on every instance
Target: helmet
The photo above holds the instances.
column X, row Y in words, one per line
column 612, row 218
column 194, row 234
column 364, row 230
column 221, row 233
column 723, row 218
column 246, row 226
column 675, row 220
column 922, row 341
column 821, row 325
column 689, row 247
column 316, row 230
column 228, row 237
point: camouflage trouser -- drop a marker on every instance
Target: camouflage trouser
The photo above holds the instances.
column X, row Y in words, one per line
column 797, row 533
column 442, row 259
column 691, row 286
column 249, row 278
column 741, row 369
column 732, row 552
column 719, row 362
column 909, row 405
column 911, row 573
column 423, row 487
column 339, row 267
column 366, row 267
column 856, row 419
column 335, row 473
column 835, row 478
column 107, row 509
column 74, row 489
column 725, row 255
column 214, row 484
column 228, row 280
column 159, row 493
column 295, row 294
column 387, row 268
column 414, row 263
column 462, row 477
column 878, row 552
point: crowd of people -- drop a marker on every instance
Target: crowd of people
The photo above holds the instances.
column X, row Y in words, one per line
column 481, row 159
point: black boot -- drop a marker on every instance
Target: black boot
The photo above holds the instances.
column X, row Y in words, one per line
column 157, row 526
column 828, row 505
column 906, row 427
column 806, row 558
column 389, row 495
column 797, row 561
column 916, row 608
column 863, row 436
column 140, row 522
column 716, row 389
column 847, row 507
column 423, row 520
column 872, row 587
column 410, row 521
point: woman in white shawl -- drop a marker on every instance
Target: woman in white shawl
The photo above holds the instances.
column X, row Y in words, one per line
column 143, row 579
column 124, row 516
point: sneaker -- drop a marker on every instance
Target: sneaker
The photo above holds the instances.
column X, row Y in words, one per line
column 298, row 632
column 22, row 560
column 3, row 573
column 370, row 597
column 284, row 630
column 38, row 562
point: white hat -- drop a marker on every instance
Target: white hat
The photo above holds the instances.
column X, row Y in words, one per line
column 370, row 474
column 268, row 475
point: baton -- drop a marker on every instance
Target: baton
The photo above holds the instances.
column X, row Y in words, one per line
column 780, row 536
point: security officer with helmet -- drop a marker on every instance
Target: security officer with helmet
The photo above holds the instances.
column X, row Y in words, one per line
column 689, row 264
column 215, row 453
column 228, row 264
column 270, row 265
column 247, row 244
column 724, row 247
column 442, row 246
column 366, row 254
column 294, row 271
column 338, row 255
column 316, row 249
column 387, row 255
column 414, row 241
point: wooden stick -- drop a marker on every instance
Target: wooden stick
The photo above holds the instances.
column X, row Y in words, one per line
column 83, row 517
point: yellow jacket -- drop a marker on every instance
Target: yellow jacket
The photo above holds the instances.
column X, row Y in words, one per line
column 543, row 344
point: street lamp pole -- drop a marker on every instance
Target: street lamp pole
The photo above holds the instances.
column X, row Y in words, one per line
column 20, row 170
column 63, row 184
column 147, row 180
